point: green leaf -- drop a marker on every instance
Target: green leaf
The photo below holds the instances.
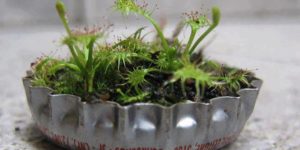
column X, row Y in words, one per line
column 126, row 99
column 197, row 23
column 62, row 65
column 216, row 15
column 128, row 6
column 90, row 48
column 137, row 76
column 122, row 57
column 138, row 33
column 190, row 71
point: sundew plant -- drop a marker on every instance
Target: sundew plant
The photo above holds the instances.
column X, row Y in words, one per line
column 163, row 71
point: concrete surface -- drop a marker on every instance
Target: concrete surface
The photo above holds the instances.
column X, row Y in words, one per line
column 270, row 50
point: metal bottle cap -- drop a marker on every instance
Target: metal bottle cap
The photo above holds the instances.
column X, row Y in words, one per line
column 71, row 123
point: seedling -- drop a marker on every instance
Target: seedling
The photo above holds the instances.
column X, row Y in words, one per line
column 132, row 70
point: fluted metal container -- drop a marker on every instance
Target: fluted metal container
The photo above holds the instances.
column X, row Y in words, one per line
column 73, row 124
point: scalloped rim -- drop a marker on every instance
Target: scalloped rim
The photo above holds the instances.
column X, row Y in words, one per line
column 235, row 109
column 256, row 84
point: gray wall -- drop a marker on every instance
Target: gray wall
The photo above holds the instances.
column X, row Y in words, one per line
column 32, row 12
column 19, row 12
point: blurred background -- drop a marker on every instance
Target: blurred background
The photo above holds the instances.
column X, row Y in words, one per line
column 260, row 35
column 41, row 12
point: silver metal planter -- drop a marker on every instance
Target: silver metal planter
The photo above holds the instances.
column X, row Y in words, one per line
column 71, row 123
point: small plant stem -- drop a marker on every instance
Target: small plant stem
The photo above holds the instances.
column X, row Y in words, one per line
column 190, row 42
column 88, row 87
column 60, row 7
column 76, row 59
column 200, row 39
column 90, row 47
column 120, row 92
column 216, row 15
column 160, row 33
column 89, row 66
column 90, row 84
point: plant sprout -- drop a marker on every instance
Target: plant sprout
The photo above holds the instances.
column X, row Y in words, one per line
column 130, row 6
column 137, row 77
column 216, row 15
column 189, row 71
column 132, row 70
column 196, row 22
column 81, row 47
